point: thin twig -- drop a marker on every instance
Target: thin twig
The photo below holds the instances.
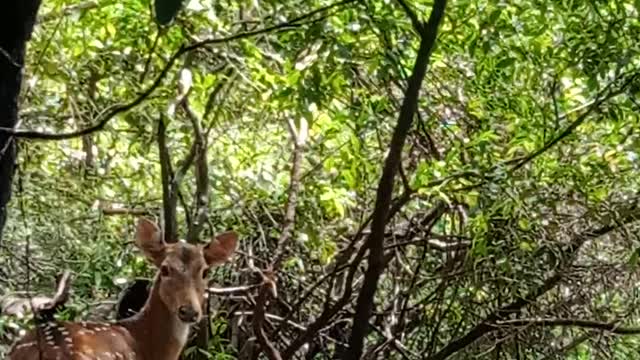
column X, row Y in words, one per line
column 608, row 94
column 87, row 5
column 417, row 24
column 299, row 137
column 487, row 325
column 612, row 327
column 232, row 290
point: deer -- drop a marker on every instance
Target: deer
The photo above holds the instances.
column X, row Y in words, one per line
column 159, row 331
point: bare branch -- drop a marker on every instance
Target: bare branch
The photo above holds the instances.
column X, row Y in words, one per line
column 417, row 24
column 62, row 292
column 87, row 5
column 110, row 211
column 232, row 290
column 201, row 196
column 9, row 58
column 45, row 311
column 487, row 325
column 299, row 138
column 169, row 192
column 612, row 327
column 259, row 314
column 375, row 242
column 330, row 311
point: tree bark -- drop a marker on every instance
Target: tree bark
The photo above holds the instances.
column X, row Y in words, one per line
column 17, row 19
column 375, row 242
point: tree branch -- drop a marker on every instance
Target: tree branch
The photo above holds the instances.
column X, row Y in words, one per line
column 612, row 327
column 375, row 242
column 259, row 311
column 574, row 125
column 169, row 191
column 45, row 311
column 232, row 290
column 87, row 5
column 110, row 113
column 568, row 253
column 110, row 211
column 417, row 24
column 341, row 263
column 299, row 138
column 201, row 169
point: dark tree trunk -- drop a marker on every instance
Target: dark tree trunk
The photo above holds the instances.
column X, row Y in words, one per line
column 17, row 18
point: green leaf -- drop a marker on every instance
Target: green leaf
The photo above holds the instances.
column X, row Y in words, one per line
column 633, row 259
column 166, row 10
column 505, row 63
column 523, row 224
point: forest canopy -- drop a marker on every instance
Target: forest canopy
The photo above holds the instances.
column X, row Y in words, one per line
column 410, row 179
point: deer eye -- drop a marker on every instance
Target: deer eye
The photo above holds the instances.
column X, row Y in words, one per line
column 205, row 273
column 164, row 270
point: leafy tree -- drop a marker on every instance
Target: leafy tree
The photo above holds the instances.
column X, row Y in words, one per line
column 411, row 179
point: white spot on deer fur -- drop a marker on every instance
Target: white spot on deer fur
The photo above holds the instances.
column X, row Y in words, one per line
column 22, row 346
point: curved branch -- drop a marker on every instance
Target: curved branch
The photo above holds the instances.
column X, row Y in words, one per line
column 109, row 114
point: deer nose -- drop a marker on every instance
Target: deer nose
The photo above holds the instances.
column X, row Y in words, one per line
column 187, row 314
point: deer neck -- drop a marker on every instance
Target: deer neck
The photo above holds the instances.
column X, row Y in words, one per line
column 157, row 332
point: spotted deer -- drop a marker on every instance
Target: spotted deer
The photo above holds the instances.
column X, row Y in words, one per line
column 160, row 330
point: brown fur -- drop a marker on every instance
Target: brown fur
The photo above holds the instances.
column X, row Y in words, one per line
column 156, row 332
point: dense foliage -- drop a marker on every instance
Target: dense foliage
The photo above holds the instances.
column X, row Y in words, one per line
column 511, row 233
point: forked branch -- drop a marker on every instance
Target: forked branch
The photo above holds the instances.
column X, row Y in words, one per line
column 299, row 138
column 375, row 242
column 45, row 311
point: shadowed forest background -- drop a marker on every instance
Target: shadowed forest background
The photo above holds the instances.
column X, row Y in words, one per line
column 410, row 179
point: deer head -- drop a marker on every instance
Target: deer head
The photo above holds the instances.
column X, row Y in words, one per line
column 183, row 268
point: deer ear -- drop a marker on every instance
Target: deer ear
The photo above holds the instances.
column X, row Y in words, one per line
column 149, row 240
column 220, row 248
